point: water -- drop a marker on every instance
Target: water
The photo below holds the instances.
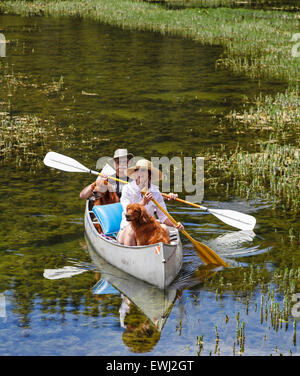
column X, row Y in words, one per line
column 155, row 95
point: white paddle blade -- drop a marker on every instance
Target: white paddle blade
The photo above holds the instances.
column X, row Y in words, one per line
column 61, row 162
column 235, row 219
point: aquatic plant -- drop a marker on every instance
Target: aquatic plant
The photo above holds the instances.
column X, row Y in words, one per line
column 271, row 173
column 277, row 116
column 200, row 343
column 21, row 138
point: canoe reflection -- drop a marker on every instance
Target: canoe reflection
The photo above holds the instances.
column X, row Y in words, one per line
column 154, row 303
column 144, row 309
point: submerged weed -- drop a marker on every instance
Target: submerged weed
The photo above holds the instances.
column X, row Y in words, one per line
column 21, row 138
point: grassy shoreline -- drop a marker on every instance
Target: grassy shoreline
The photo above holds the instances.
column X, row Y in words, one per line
column 256, row 44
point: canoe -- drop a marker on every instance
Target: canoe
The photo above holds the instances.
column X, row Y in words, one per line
column 153, row 302
column 157, row 264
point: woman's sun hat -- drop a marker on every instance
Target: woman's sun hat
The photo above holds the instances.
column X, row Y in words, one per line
column 147, row 165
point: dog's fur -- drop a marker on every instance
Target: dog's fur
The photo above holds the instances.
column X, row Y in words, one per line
column 103, row 194
column 147, row 229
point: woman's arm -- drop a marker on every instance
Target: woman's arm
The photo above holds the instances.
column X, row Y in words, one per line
column 162, row 217
column 179, row 226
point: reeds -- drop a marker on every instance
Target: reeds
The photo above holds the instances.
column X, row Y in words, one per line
column 264, row 295
column 278, row 117
column 270, row 4
column 270, row 174
column 23, row 137
column 271, row 171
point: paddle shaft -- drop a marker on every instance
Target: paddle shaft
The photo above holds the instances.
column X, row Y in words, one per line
column 171, row 218
column 232, row 218
column 163, row 194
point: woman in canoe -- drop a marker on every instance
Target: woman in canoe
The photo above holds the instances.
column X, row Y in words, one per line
column 142, row 175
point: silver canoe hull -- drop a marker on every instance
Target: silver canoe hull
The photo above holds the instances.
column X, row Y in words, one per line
column 157, row 264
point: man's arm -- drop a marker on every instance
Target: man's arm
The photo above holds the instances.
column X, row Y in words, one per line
column 87, row 192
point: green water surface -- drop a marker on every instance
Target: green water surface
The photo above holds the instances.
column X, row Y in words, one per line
column 102, row 88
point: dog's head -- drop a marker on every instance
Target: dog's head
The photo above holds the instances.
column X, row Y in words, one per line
column 137, row 213
column 100, row 188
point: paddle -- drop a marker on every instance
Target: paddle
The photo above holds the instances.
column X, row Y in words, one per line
column 61, row 162
column 64, row 163
column 230, row 217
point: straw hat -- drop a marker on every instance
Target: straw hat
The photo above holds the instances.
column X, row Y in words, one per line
column 144, row 164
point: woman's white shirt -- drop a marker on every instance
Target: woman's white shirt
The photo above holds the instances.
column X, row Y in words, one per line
column 131, row 193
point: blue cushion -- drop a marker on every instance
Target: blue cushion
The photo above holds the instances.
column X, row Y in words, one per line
column 109, row 216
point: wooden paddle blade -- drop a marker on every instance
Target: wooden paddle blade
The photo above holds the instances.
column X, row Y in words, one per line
column 207, row 255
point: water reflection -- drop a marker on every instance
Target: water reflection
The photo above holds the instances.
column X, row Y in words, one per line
column 144, row 309
column 166, row 85
column 153, row 302
column 141, row 331
column 233, row 244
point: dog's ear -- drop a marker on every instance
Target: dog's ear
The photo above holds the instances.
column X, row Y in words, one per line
column 144, row 217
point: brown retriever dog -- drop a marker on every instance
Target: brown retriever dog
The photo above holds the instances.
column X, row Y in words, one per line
column 103, row 194
column 146, row 229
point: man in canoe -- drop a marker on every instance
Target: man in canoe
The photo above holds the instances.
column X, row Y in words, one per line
column 142, row 175
column 120, row 163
